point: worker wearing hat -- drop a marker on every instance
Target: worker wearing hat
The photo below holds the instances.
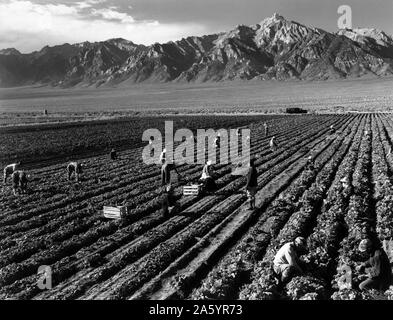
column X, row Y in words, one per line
column 252, row 183
column 379, row 272
column 286, row 261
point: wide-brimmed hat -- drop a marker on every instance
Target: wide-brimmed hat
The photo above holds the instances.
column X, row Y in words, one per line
column 209, row 163
column 364, row 245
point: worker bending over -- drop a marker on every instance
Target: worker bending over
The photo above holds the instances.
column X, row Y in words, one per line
column 74, row 168
column 286, row 263
column 252, row 183
column 9, row 170
column 379, row 272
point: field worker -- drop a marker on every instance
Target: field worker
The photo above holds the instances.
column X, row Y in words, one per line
column 151, row 141
column 113, row 154
column 168, row 201
column 19, row 181
column 332, row 129
column 377, row 266
column 286, row 262
column 163, row 156
column 217, row 141
column 9, row 170
column 74, row 168
column 207, row 177
column 166, row 172
column 266, row 129
column 390, row 152
column 273, row 144
column 252, row 183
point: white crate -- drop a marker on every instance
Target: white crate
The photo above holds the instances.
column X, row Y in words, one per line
column 192, row 190
column 114, row 212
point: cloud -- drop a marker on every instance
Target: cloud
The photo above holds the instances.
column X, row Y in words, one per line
column 29, row 26
column 111, row 14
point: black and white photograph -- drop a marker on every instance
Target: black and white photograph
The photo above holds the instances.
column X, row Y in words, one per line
column 196, row 152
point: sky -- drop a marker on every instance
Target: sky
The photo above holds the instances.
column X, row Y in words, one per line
column 29, row 25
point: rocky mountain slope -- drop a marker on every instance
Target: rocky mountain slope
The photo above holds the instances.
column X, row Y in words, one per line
column 274, row 49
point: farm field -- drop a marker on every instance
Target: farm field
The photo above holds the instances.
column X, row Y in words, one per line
column 213, row 247
column 25, row 105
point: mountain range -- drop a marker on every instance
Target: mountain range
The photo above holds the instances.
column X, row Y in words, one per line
column 275, row 49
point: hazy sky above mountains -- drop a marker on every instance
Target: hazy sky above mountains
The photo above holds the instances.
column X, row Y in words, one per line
column 31, row 24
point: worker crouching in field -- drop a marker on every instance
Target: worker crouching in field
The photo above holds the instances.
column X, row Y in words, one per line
column 207, row 178
column 9, row 170
column 286, row 263
column 169, row 201
column 19, row 182
column 379, row 273
column 75, row 169
column 252, row 183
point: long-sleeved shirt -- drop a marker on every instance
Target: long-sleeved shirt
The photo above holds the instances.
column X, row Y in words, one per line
column 379, row 266
column 252, row 177
column 286, row 255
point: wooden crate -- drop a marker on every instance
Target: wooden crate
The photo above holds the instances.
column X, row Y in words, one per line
column 114, row 212
column 192, row 190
